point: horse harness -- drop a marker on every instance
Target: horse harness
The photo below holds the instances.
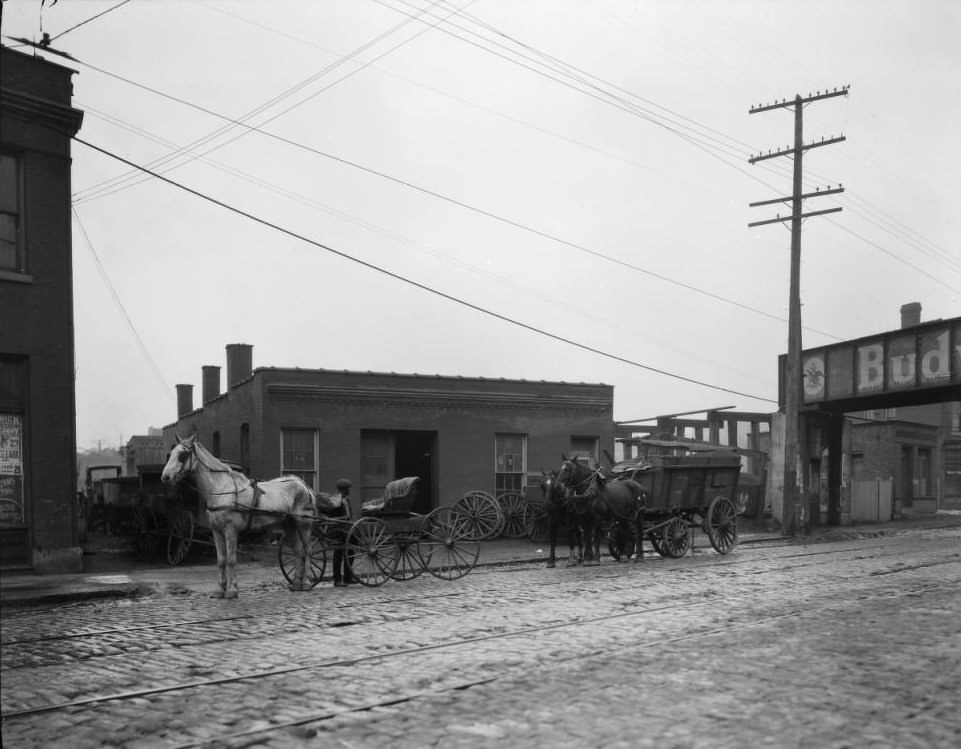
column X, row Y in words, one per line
column 250, row 509
column 589, row 488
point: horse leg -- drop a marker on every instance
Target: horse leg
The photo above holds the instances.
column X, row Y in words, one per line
column 638, row 526
column 301, row 541
column 574, row 556
column 219, row 543
column 552, row 538
column 230, row 543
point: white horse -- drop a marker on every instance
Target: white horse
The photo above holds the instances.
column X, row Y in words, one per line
column 234, row 503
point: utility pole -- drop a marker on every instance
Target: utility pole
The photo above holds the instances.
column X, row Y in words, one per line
column 795, row 474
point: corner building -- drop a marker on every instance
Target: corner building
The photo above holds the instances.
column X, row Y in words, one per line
column 38, row 457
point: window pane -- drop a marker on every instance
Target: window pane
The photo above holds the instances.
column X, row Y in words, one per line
column 509, row 462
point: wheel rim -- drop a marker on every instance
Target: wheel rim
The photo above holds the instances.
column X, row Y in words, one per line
column 410, row 562
column 535, row 523
column 481, row 514
column 316, row 563
column 675, row 538
column 512, row 506
column 448, row 547
column 372, row 552
column 181, row 534
column 720, row 524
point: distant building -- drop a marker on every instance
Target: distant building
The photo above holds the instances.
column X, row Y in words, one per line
column 458, row 434
column 38, row 523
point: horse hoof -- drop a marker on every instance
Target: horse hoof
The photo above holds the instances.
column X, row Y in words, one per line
column 218, row 594
column 230, row 594
column 550, row 565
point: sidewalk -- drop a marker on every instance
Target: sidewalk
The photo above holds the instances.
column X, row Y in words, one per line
column 112, row 571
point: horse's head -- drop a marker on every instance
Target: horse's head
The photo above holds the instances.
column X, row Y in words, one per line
column 550, row 488
column 181, row 460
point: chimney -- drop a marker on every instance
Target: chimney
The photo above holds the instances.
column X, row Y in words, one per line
column 185, row 400
column 240, row 363
column 211, row 382
column 910, row 314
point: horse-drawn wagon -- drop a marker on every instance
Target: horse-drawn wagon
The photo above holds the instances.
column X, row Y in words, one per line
column 388, row 541
column 662, row 498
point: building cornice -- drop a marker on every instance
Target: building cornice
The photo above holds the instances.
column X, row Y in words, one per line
column 64, row 119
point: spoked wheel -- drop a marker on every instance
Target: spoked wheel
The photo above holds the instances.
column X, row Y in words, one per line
column 535, row 522
column 314, row 566
column 181, row 536
column 410, row 563
column 675, row 538
column 146, row 540
column 372, row 552
column 512, row 507
column 448, row 546
column 657, row 542
column 620, row 541
column 720, row 524
column 479, row 515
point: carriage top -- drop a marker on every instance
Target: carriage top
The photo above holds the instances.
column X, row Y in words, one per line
column 399, row 496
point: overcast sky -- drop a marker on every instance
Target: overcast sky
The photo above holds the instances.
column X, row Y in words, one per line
column 497, row 188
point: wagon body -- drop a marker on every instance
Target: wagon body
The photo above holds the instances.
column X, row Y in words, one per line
column 688, row 483
column 683, row 492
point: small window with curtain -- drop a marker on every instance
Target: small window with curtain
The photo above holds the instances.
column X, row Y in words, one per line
column 510, row 462
column 298, row 454
column 12, row 255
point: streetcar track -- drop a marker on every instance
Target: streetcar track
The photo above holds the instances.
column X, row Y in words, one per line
column 611, row 572
column 331, row 714
column 405, row 652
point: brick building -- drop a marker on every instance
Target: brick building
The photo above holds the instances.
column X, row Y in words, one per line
column 37, row 402
column 458, row 434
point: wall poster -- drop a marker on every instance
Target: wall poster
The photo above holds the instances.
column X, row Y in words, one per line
column 11, row 469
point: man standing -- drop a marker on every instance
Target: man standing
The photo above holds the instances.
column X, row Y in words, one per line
column 341, row 512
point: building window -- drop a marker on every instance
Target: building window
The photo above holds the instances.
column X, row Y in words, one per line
column 11, row 213
column 584, row 450
column 298, row 454
column 510, row 462
column 952, row 472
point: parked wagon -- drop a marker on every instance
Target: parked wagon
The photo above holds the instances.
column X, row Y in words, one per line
column 685, row 490
column 389, row 542
column 675, row 490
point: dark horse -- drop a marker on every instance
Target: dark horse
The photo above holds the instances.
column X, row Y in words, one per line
column 599, row 503
column 559, row 512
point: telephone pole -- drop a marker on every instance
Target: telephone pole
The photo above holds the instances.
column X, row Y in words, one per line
column 794, row 473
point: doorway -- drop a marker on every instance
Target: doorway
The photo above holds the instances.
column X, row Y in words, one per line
column 392, row 454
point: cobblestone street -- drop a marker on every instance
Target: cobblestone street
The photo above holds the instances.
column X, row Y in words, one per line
column 845, row 643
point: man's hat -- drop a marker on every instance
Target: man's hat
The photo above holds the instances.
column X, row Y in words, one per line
column 344, row 484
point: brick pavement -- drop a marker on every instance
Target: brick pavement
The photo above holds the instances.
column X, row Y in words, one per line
column 784, row 645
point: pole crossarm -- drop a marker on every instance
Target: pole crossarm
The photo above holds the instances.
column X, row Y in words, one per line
column 799, row 100
column 789, row 198
column 792, row 217
column 792, row 151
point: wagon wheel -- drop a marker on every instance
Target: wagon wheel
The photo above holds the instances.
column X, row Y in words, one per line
column 620, row 540
column 372, row 551
column 512, row 506
column 316, row 563
column 481, row 514
column 675, row 538
column 410, row 562
column 720, row 524
column 656, row 542
column 181, row 536
column 535, row 522
column 146, row 542
column 448, row 546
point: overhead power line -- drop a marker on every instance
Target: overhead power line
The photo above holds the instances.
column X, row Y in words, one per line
column 416, row 284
